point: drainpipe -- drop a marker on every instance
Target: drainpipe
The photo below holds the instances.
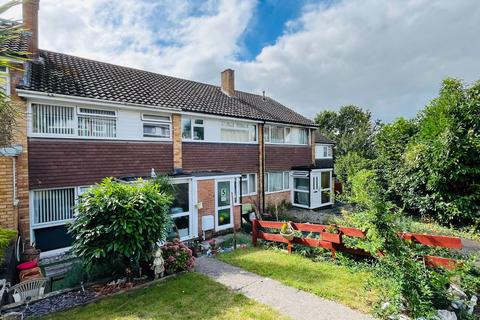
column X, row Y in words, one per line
column 263, row 167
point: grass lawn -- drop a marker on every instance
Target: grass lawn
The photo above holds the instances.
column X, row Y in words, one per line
column 189, row 296
column 324, row 279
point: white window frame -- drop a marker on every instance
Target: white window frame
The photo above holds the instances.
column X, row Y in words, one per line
column 308, row 191
column 286, row 178
column 5, row 75
column 287, row 135
column 237, row 187
column 155, row 122
column 192, row 128
column 33, row 226
column 330, row 188
column 320, row 151
column 79, row 114
column 239, row 126
column 191, row 211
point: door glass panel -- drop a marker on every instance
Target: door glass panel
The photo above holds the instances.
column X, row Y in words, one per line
column 183, row 226
column 325, row 180
column 301, row 184
column 223, row 194
column 224, row 217
column 300, row 198
column 180, row 202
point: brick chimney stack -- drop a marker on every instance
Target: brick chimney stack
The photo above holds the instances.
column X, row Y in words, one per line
column 228, row 82
column 30, row 23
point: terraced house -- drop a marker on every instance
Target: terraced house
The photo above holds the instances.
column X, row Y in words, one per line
column 87, row 120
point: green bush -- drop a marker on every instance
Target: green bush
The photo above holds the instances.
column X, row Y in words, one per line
column 406, row 284
column 120, row 223
column 6, row 236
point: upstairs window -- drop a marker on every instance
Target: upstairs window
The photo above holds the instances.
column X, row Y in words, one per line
column 232, row 131
column 156, row 126
column 49, row 119
column 97, row 123
column 285, row 135
column 193, row 129
column 323, row 152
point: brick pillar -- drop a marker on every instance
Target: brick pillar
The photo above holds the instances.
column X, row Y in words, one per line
column 8, row 210
column 261, row 170
column 312, row 144
column 177, row 141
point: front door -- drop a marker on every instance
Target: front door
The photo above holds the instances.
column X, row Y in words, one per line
column 316, row 200
column 181, row 210
column 223, row 204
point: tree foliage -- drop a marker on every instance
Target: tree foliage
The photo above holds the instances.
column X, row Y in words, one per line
column 120, row 223
column 9, row 31
column 351, row 128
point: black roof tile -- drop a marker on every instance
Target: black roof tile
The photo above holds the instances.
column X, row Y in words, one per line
column 69, row 75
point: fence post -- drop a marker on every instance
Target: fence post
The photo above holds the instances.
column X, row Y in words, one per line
column 254, row 232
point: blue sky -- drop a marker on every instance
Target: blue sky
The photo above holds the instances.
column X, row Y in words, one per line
column 311, row 55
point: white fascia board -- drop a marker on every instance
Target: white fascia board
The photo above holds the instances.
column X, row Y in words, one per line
column 214, row 116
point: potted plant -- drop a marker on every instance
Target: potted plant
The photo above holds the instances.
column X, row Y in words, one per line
column 332, row 234
column 287, row 231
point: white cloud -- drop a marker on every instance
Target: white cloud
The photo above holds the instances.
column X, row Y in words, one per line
column 388, row 56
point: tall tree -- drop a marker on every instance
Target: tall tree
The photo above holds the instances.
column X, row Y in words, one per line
column 10, row 32
column 351, row 128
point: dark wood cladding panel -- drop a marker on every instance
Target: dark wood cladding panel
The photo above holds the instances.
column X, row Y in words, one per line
column 286, row 157
column 62, row 163
column 199, row 156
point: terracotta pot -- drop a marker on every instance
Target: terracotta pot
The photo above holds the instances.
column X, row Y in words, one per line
column 332, row 237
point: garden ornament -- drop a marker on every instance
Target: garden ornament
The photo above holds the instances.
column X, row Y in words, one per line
column 158, row 265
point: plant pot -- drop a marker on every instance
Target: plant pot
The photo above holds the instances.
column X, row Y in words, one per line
column 288, row 236
column 332, row 237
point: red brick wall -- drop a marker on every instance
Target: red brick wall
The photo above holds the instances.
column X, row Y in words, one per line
column 8, row 212
column 277, row 197
column 279, row 157
column 61, row 163
column 239, row 158
column 206, row 195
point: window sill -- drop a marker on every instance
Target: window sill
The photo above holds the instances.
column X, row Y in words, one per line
column 272, row 192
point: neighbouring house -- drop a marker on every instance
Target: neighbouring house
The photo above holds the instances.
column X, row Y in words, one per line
column 87, row 120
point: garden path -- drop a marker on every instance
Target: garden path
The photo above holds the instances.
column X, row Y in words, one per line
column 292, row 302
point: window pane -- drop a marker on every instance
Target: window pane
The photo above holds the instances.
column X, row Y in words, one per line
column 93, row 126
column 301, row 184
column 252, row 183
column 151, row 117
column 286, row 180
column 183, row 226
column 303, row 136
column 300, row 198
column 266, row 133
column 278, row 134
column 156, row 130
column 245, row 185
column 53, row 205
column 53, row 119
column 97, row 112
column 253, row 133
column 275, row 180
column 199, row 122
column 224, row 217
column 232, row 135
column 288, row 135
column 223, row 189
column 198, row 133
column 181, row 201
column 325, row 180
column 186, row 129
column 325, row 196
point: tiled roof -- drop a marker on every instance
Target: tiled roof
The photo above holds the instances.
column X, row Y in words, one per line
column 15, row 45
column 69, row 75
column 320, row 138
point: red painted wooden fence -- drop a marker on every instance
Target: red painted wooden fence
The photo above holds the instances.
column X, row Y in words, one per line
column 324, row 242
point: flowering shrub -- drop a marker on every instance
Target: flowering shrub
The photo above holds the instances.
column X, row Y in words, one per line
column 178, row 257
